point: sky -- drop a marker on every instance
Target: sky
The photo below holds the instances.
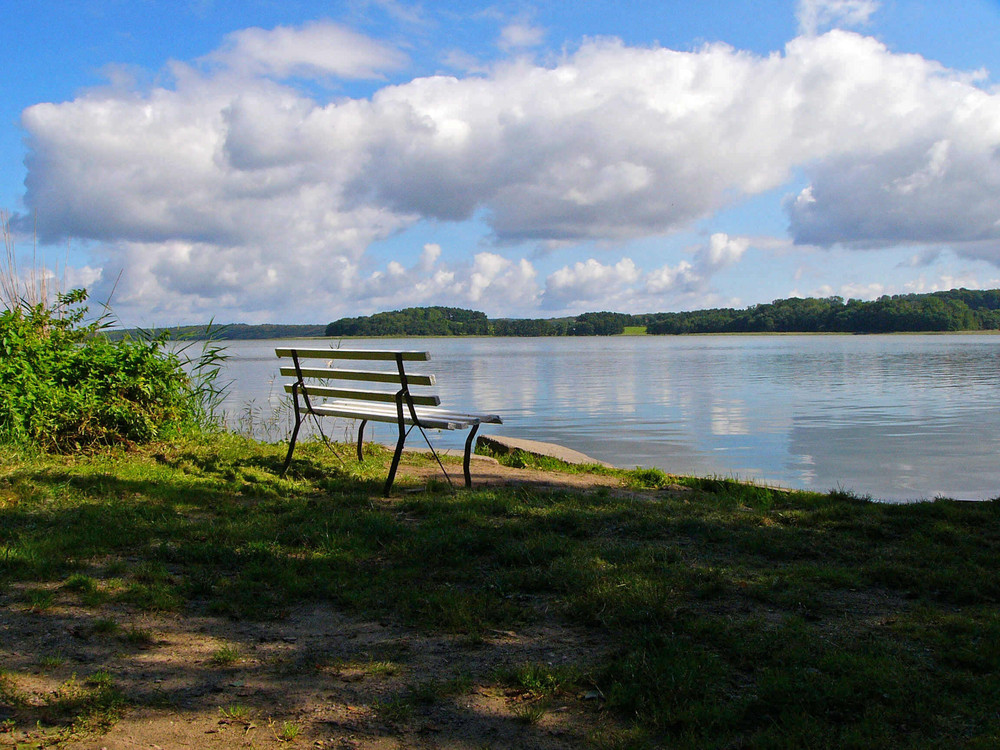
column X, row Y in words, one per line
column 298, row 161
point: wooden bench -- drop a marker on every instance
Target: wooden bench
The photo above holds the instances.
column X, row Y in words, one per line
column 329, row 391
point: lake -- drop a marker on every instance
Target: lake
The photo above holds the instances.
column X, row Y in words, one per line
column 894, row 417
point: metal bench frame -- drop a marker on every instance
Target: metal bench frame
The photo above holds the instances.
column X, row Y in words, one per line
column 407, row 410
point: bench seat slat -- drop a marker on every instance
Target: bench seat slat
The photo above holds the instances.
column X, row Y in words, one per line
column 375, row 415
column 383, row 396
column 368, row 376
column 371, row 354
column 443, row 419
column 422, row 411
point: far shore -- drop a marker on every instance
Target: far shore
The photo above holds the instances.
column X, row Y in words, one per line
column 222, row 337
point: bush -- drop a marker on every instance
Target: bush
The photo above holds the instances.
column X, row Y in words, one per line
column 64, row 387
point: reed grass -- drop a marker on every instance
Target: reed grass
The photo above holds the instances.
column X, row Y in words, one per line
column 35, row 286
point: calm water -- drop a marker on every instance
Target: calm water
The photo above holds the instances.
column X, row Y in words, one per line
column 897, row 417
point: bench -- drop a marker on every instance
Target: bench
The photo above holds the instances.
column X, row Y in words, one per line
column 329, row 391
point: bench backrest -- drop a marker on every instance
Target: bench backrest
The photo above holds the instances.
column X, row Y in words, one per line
column 337, row 382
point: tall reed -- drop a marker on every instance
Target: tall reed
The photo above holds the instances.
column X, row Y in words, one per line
column 37, row 285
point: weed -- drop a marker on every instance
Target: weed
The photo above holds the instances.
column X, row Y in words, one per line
column 48, row 663
column 652, row 478
column 381, row 668
column 235, row 713
column 104, row 626
column 10, row 693
column 39, row 600
column 225, row 656
column 94, row 705
column 139, row 636
column 432, row 691
column 529, row 712
column 537, row 678
column 80, row 583
column 288, row 731
column 395, row 710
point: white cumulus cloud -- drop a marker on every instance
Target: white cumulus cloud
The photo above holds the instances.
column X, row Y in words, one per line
column 320, row 48
column 588, row 281
column 233, row 177
column 520, row 35
column 814, row 15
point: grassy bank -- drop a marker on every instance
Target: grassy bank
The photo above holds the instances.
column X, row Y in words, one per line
column 732, row 616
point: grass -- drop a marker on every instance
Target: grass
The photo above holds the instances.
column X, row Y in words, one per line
column 287, row 731
column 76, row 707
column 235, row 713
column 738, row 616
column 225, row 656
column 539, row 679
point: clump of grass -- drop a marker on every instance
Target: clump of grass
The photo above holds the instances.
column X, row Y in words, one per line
column 644, row 478
column 537, row 678
column 81, row 584
column 287, row 731
column 381, row 668
column 50, row 662
column 10, row 693
column 225, row 656
column 432, row 691
column 139, row 636
column 235, row 713
column 529, row 712
column 519, row 459
column 39, row 600
column 648, row 478
column 395, row 710
column 105, row 626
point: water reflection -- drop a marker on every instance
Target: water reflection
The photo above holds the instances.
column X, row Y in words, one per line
column 894, row 416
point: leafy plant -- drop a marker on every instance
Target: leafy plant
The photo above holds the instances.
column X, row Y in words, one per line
column 67, row 388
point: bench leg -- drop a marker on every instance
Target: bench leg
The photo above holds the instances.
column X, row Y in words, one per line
column 468, row 454
column 291, row 444
column 361, row 433
column 395, row 462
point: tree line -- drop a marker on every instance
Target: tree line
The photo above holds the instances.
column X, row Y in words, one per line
column 955, row 310
column 453, row 321
column 222, row 332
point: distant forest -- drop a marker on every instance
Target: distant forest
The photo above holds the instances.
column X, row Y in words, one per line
column 955, row 310
column 230, row 331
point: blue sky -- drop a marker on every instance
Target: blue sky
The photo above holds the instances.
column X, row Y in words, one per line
column 304, row 161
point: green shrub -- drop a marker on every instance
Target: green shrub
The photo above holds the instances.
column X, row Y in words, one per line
column 64, row 387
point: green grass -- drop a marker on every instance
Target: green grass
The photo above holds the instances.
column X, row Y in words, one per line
column 235, row 713
column 734, row 615
column 225, row 656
